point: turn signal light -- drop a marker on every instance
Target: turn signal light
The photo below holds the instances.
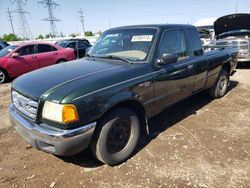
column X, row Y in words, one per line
column 69, row 114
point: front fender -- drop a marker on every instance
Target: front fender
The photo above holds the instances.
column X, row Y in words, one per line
column 96, row 107
column 121, row 97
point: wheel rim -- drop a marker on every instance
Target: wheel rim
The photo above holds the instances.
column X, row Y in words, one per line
column 118, row 136
column 2, row 77
column 223, row 84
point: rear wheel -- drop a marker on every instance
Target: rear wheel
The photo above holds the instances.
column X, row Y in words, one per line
column 116, row 136
column 221, row 86
column 3, row 76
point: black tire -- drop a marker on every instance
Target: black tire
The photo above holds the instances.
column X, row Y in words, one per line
column 116, row 136
column 3, row 76
column 220, row 87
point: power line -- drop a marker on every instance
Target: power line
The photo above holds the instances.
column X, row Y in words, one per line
column 9, row 16
column 24, row 28
column 81, row 12
column 50, row 5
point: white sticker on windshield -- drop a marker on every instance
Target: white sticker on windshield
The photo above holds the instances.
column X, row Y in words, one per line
column 142, row 38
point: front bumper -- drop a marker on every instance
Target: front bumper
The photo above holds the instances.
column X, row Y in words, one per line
column 50, row 139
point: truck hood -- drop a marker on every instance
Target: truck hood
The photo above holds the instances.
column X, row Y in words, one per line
column 63, row 78
column 232, row 25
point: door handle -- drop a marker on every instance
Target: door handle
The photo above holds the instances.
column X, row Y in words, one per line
column 55, row 53
column 34, row 56
column 190, row 66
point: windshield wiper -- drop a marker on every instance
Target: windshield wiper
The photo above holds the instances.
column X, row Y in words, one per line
column 117, row 58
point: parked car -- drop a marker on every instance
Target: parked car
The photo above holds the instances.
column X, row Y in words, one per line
column 78, row 45
column 105, row 99
column 3, row 45
column 16, row 60
column 242, row 45
column 234, row 30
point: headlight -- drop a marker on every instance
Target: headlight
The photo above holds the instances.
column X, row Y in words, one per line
column 61, row 113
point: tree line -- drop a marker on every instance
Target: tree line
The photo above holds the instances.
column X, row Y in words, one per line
column 13, row 37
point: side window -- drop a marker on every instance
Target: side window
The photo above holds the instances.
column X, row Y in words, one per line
column 26, row 50
column 82, row 45
column 173, row 42
column 195, row 42
column 42, row 48
column 72, row 45
column 53, row 48
column 1, row 47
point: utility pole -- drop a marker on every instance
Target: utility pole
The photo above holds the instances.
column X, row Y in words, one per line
column 81, row 12
column 9, row 16
column 24, row 28
column 50, row 5
column 236, row 8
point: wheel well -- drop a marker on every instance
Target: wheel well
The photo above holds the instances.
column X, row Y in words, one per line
column 61, row 60
column 227, row 67
column 137, row 108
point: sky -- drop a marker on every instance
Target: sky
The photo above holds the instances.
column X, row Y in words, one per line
column 100, row 15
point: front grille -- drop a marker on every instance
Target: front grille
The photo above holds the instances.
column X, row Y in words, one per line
column 25, row 105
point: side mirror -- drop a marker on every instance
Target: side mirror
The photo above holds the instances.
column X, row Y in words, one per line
column 15, row 55
column 168, row 59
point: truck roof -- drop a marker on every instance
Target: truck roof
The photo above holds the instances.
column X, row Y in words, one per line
column 160, row 26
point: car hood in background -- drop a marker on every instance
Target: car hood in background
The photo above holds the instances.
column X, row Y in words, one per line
column 232, row 25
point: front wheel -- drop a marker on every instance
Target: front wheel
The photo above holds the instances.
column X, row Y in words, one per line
column 221, row 85
column 116, row 136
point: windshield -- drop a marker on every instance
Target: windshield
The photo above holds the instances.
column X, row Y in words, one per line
column 7, row 50
column 131, row 44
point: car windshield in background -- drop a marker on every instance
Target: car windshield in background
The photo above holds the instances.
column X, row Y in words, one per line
column 130, row 44
column 7, row 50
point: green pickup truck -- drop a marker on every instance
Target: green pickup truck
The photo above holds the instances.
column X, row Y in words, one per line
column 104, row 100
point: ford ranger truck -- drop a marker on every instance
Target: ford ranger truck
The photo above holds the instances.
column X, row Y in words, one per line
column 104, row 100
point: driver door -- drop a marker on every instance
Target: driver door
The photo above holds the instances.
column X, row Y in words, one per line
column 175, row 81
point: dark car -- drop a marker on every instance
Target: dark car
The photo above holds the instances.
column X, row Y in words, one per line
column 78, row 45
column 105, row 99
column 241, row 44
column 3, row 45
column 234, row 30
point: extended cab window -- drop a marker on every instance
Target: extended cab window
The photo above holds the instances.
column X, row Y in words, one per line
column 195, row 42
column 42, row 48
column 173, row 41
column 26, row 50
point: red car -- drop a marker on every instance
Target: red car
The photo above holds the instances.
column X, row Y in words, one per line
column 16, row 60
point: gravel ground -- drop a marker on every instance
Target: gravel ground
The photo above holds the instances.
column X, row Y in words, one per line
column 198, row 142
